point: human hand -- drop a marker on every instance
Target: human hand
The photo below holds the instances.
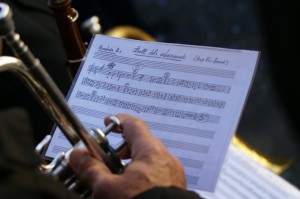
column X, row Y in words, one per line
column 152, row 165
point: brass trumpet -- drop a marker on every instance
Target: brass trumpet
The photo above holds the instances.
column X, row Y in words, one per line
column 37, row 80
column 32, row 73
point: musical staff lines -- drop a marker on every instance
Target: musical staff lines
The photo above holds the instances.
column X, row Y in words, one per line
column 191, row 97
column 200, row 133
column 107, row 56
column 150, row 109
column 161, row 80
column 185, row 146
column 62, row 136
column 191, row 163
column 59, row 149
column 126, row 89
column 90, row 126
column 89, row 112
column 191, row 179
column 181, row 130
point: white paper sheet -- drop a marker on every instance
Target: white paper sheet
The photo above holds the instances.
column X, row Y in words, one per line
column 190, row 96
column 243, row 178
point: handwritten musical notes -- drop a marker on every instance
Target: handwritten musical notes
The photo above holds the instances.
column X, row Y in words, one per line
column 126, row 89
column 140, row 108
column 191, row 97
column 165, row 79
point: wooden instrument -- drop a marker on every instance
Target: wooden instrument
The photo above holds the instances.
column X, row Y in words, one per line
column 75, row 48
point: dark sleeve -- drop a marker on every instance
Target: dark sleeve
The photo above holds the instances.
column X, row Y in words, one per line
column 167, row 192
column 16, row 138
column 37, row 27
column 19, row 174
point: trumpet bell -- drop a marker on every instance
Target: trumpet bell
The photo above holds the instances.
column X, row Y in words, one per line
column 129, row 32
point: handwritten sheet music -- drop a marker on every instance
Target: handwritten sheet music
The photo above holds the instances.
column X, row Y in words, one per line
column 243, row 178
column 191, row 97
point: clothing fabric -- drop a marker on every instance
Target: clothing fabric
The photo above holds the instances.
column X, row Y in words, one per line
column 20, row 177
column 35, row 23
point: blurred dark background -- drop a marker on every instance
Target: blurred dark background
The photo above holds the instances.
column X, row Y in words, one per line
column 269, row 122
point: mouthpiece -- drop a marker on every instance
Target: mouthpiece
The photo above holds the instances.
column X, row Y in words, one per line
column 6, row 23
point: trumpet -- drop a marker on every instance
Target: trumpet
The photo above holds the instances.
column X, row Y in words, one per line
column 32, row 73
column 34, row 76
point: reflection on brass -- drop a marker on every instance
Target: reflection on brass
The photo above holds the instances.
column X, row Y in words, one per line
column 73, row 16
column 91, row 25
column 129, row 32
column 275, row 165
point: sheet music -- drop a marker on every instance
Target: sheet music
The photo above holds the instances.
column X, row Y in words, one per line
column 243, row 178
column 191, row 97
